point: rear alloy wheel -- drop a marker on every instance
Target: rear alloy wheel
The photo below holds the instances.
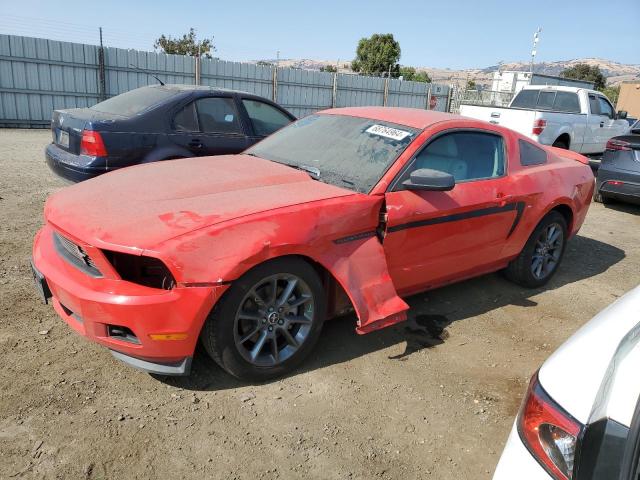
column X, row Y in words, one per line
column 542, row 254
column 268, row 321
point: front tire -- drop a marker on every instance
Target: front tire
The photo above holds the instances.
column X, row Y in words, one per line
column 268, row 321
column 539, row 259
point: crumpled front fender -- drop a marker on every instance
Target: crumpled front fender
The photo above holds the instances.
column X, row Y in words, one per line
column 339, row 234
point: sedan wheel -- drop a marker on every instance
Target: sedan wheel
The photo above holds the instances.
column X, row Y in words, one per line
column 268, row 321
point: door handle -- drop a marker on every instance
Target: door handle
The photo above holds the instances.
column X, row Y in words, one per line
column 196, row 144
column 502, row 199
column 601, row 124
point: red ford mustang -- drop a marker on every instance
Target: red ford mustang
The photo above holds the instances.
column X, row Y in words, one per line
column 249, row 253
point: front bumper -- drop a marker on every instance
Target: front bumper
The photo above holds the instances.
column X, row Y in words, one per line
column 94, row 306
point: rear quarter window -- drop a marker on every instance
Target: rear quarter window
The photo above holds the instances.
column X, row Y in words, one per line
column 530, row 154
column 567, row 102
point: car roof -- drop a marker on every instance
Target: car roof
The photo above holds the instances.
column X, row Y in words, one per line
column 198, row 88
column 576, row 372
column 559, row 88
column 410, row 117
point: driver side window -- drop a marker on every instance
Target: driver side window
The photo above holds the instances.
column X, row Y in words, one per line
column 466, row 155
column 605, row 107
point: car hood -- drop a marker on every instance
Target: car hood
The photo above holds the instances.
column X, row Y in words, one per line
column 142, row 206
column 582, row 374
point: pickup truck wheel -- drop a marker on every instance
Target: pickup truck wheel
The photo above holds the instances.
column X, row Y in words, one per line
column 560, row 144
column 268, row 321
column 539, row 259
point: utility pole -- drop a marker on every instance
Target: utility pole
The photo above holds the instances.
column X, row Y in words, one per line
column 102, row 89
column 534, row 50
column 278, row 59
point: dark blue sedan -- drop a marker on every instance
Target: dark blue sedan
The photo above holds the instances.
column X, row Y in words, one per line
column 158, row 122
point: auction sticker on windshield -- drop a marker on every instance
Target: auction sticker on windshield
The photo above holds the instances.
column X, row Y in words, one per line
column 387, row 132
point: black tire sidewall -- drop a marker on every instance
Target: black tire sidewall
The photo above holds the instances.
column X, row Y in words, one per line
column 520, row 269
column 218, row 335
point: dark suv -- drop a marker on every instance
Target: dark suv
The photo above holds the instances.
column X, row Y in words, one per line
column 158, row 122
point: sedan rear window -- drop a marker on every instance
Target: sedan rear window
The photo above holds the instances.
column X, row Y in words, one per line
column 345, row 151
column 135, row 101
column 525, row 99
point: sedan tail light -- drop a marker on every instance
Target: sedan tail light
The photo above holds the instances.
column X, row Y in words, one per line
column 92, row 144
column 618, row 145
column 549, row 433
column 538, row 126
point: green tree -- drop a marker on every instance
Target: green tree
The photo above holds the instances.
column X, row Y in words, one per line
column 328, row 68
column 471, row 85
column 377, row 55
column 612, row 93
column 187, row 45
column 412, row 75
column 589, row 73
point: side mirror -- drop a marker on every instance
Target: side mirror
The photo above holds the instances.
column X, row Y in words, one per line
column 428, row 179
column 621, row 115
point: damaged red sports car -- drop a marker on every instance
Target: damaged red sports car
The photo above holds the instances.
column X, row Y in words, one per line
column 347, row 208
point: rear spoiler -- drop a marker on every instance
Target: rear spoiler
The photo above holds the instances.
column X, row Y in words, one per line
column 570, row 154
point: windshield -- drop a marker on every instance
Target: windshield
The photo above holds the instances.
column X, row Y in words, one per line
column 134, row 101
column 348, row 152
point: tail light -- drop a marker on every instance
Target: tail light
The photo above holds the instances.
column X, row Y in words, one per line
column 549, row 433
column 147, row 271
column 538, row 126
column 92, row 144
column 618, row 145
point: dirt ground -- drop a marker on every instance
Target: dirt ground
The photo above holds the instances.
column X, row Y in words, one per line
column 390, row 404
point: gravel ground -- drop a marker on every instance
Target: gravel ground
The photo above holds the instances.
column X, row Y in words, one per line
column 390, row 404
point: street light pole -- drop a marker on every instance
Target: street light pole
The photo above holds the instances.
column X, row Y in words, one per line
column 534, row 50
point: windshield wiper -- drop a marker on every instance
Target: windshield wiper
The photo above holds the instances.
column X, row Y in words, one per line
column 312, row 171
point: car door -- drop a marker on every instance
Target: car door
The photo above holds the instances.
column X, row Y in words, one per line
column 210, row 126
column 612, row 127
column 263, row 118
column 433, row 237
column 595, row 122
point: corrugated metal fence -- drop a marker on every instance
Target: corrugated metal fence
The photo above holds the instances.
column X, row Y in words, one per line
column 38, row 76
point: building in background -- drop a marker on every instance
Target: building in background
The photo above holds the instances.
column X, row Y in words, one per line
column 629, row 98
column 512, row 81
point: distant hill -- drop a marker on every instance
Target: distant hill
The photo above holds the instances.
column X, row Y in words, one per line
column 614, row 71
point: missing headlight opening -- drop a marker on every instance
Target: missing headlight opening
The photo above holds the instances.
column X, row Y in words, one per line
column 147, row 271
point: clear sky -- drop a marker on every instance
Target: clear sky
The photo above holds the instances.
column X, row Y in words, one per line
column 444, row 34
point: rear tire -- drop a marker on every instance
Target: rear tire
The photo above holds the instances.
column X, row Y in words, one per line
column 268, row 321
column 539, row 259
column 599, row 198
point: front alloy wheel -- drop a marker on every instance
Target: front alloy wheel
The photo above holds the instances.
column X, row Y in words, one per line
column 274, row 320
column 268, row 321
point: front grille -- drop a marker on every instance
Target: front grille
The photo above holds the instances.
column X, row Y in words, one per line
column 75, row 255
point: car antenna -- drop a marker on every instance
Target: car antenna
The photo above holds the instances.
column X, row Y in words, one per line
column 144, row 71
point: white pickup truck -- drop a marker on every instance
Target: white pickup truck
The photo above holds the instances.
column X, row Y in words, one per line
column 567, row 117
